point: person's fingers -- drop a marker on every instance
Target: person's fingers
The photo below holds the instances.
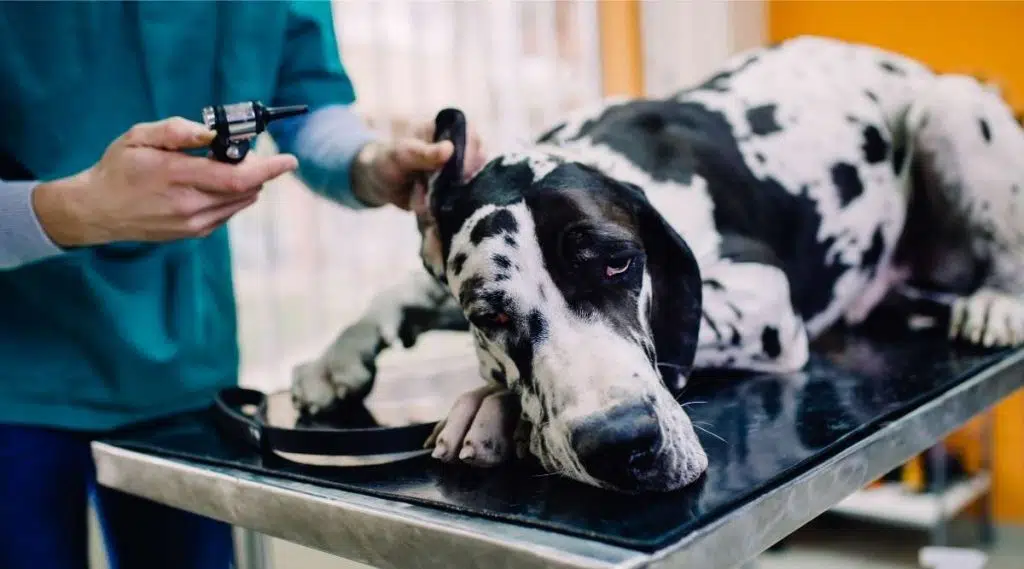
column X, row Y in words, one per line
column 212, row 176
column 414, row 155
column 210, row 219
column 175, row 133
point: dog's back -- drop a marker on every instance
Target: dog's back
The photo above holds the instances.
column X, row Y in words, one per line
column 795, row 155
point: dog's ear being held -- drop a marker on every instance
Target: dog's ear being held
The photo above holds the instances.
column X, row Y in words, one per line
column 450, row 125
column 675, row 311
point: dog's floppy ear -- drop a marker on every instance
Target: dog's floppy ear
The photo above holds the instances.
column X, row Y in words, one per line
column 675, row 278
column 450, row 125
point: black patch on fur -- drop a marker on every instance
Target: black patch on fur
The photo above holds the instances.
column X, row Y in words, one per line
column 762, row 120
column 520, row 351
column 653, row 140
column 457, row 262
column 470, row 289
column 848, row 182
column 875, row 148
column 873, row 255
column 550, row 135
column 741, row 249
column 770, row 344
column 889, row 67
column 537, row 326
column 986, row 132
column 760, row 157
column 871, row 95
column 899, row 157
column 499, row 376
column 502, row 261
column 493, row 224
column 720, row 81
column 511, row 241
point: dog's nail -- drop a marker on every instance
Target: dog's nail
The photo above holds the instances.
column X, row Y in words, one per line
column 468, row 451
column 440, row 449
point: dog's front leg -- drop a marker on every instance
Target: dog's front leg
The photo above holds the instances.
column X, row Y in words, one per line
column 347, row 368
column 483, row 428
column 748, row 320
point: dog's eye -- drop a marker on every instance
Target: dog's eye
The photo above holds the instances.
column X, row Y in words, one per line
column 621, row 268
column 617, row 269
column 490, row 320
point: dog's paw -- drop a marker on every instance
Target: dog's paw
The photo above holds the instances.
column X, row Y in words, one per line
column 988, row 318
column 482, row 429
column 346, row 370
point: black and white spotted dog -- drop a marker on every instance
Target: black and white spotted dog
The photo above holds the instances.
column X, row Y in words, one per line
column 725, row 226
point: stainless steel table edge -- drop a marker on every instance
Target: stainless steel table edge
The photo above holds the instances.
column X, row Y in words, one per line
column 378, row 532
column 740, row 536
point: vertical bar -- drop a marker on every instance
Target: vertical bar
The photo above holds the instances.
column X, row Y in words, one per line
column 987, row 529
column 254, row 549
column 937, row 456
column 621, row 47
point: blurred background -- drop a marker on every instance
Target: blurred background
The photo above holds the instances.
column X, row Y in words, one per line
column 305, row 268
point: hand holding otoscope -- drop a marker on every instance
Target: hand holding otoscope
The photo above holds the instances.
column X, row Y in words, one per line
column 146, row 188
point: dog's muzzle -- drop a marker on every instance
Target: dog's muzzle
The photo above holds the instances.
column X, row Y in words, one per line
column 620, row 447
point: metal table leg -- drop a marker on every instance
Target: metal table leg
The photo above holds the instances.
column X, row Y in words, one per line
column 254, row 551
column 937, row 456
column 987, row 528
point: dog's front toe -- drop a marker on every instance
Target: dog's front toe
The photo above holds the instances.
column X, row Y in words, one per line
column 478, row 430
column 988, row 318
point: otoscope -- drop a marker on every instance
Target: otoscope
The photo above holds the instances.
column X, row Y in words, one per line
column 237, row 124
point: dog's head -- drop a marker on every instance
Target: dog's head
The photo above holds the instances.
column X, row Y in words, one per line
column 582, row 300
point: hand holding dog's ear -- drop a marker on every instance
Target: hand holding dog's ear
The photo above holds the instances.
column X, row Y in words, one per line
column 388, row 172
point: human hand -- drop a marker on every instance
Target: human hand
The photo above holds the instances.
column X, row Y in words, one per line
column 145, row 189
column 392, row 172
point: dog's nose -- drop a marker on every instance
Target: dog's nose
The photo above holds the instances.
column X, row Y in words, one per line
column 619, row 446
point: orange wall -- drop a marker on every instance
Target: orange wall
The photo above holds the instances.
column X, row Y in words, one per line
column 967, row 36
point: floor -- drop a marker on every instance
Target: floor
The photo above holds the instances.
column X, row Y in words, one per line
column 825, row 543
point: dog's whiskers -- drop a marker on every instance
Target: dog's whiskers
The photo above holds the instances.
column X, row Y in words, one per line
column 710, row 433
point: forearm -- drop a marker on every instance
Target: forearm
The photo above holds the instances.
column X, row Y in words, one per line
column 326, row 143
column 23, row 239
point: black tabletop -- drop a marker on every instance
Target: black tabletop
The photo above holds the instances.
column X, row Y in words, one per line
column 759, row 432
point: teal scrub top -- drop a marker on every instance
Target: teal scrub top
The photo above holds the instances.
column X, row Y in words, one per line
column 102, row 337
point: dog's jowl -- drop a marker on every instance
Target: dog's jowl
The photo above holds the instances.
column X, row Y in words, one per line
column 725, row 226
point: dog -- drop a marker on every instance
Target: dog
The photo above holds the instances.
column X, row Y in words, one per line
column 723, row 227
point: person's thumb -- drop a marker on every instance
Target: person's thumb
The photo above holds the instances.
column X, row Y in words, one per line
column 174, row 133
column 417, row 156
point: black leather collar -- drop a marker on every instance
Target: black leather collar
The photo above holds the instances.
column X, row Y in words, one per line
column 253, row 430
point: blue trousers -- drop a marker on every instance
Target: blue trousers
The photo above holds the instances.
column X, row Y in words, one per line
column 46, row 480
